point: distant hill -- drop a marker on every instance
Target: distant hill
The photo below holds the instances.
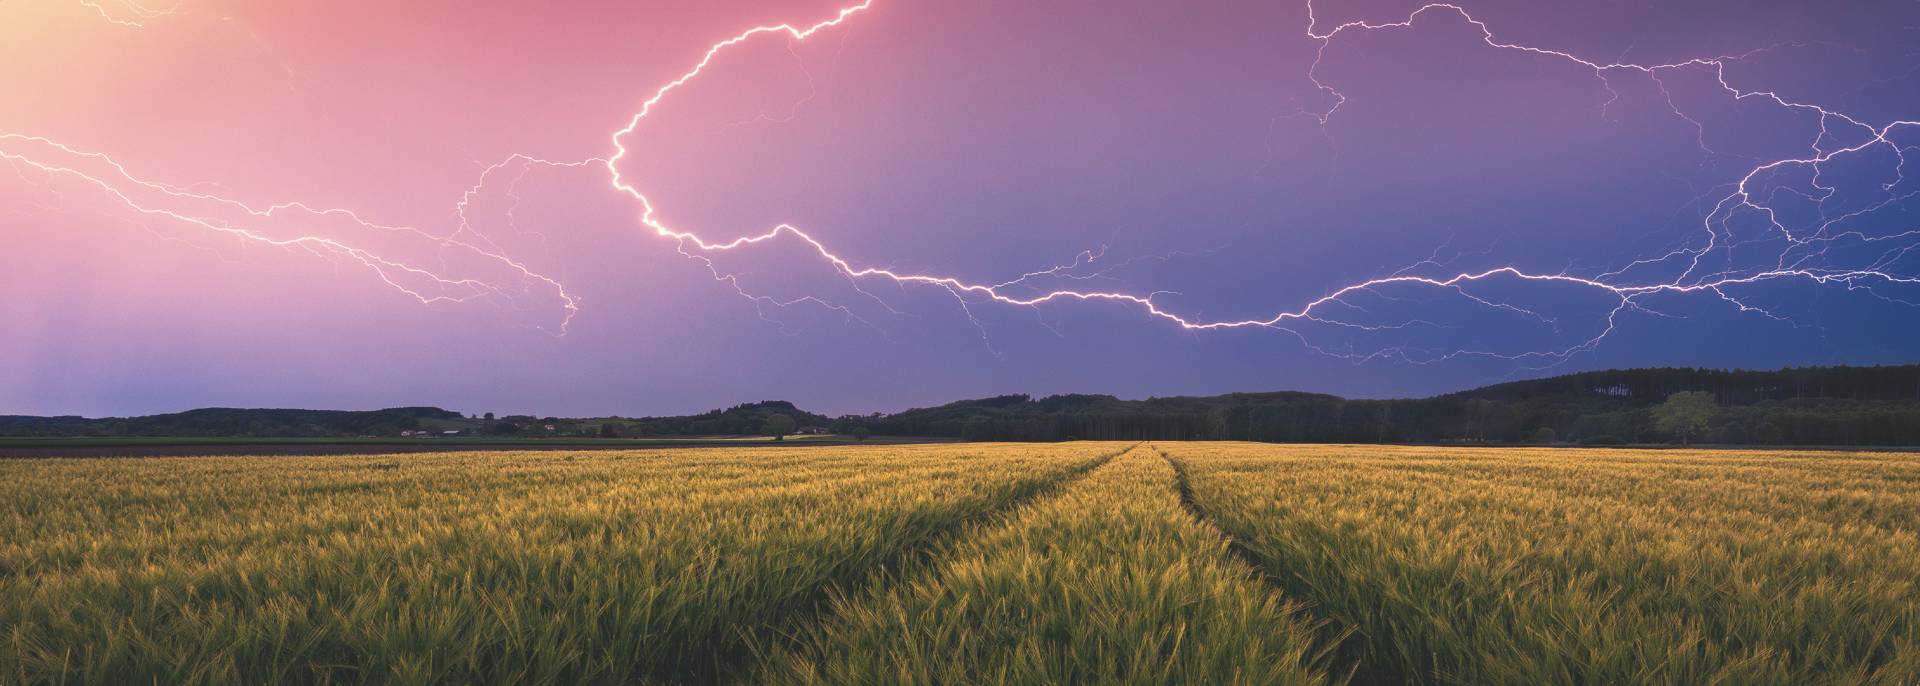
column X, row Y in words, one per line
column 1732, row 387
column 228, row 422
column 736, row 420
column 221, row 422
column 1800, row 406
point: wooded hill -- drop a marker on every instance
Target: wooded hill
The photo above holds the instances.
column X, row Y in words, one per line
column 225, row 422
column 1803, row 406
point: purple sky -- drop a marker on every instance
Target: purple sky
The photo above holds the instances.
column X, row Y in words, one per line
column 1218, row 196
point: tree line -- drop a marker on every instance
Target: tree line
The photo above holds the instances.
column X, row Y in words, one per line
column 1805, row 406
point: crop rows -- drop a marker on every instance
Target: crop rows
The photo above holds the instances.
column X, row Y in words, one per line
column 504, row 568
column 1562, row 566
column 1068, row 563
column 1110, row 582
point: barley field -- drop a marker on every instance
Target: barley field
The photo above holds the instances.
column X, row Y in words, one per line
column 1094, row 563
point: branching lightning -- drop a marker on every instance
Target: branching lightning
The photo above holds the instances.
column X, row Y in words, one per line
column 1626, row 294
column 141, row 14
column 1800, row 253
column 231, row 218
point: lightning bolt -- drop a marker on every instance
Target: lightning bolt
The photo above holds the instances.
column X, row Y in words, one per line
column 1805, row 254
column 1626, row 295
column 141, row 13
column 224, row 216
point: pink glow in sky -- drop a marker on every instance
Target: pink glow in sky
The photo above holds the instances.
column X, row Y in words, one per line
column 429, row 216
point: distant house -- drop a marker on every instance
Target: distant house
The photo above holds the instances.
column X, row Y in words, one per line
column 408, row 434
column 813, row 431
column 450, row 432
column 551, row 428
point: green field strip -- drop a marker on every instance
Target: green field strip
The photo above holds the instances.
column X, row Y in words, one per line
column 1109, row 581
column 478, row 568
column 1490, row 577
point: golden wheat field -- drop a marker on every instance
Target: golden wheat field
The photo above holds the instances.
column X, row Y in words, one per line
column 1094, row 563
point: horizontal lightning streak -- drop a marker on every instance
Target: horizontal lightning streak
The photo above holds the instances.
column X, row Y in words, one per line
column 121, row 185
column 1626, row 295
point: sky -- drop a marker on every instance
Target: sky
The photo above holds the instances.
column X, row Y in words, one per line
column 639, row 208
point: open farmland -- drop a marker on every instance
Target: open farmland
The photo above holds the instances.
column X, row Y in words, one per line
column 1586, row 566
column 502, row 567
column 970, row 563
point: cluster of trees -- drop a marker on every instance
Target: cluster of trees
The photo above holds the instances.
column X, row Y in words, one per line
column 228, row 422
column 763, row 418
column 1808, row 406
column 740, row 420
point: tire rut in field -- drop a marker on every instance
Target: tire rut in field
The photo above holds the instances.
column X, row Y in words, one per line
column 732, row 666
column 1341, row 642
column 1240, row 551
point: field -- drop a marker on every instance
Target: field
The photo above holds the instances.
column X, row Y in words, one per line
column 1093, row 563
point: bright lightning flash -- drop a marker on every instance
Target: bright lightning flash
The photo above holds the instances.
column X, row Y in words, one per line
column 1806, row 252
